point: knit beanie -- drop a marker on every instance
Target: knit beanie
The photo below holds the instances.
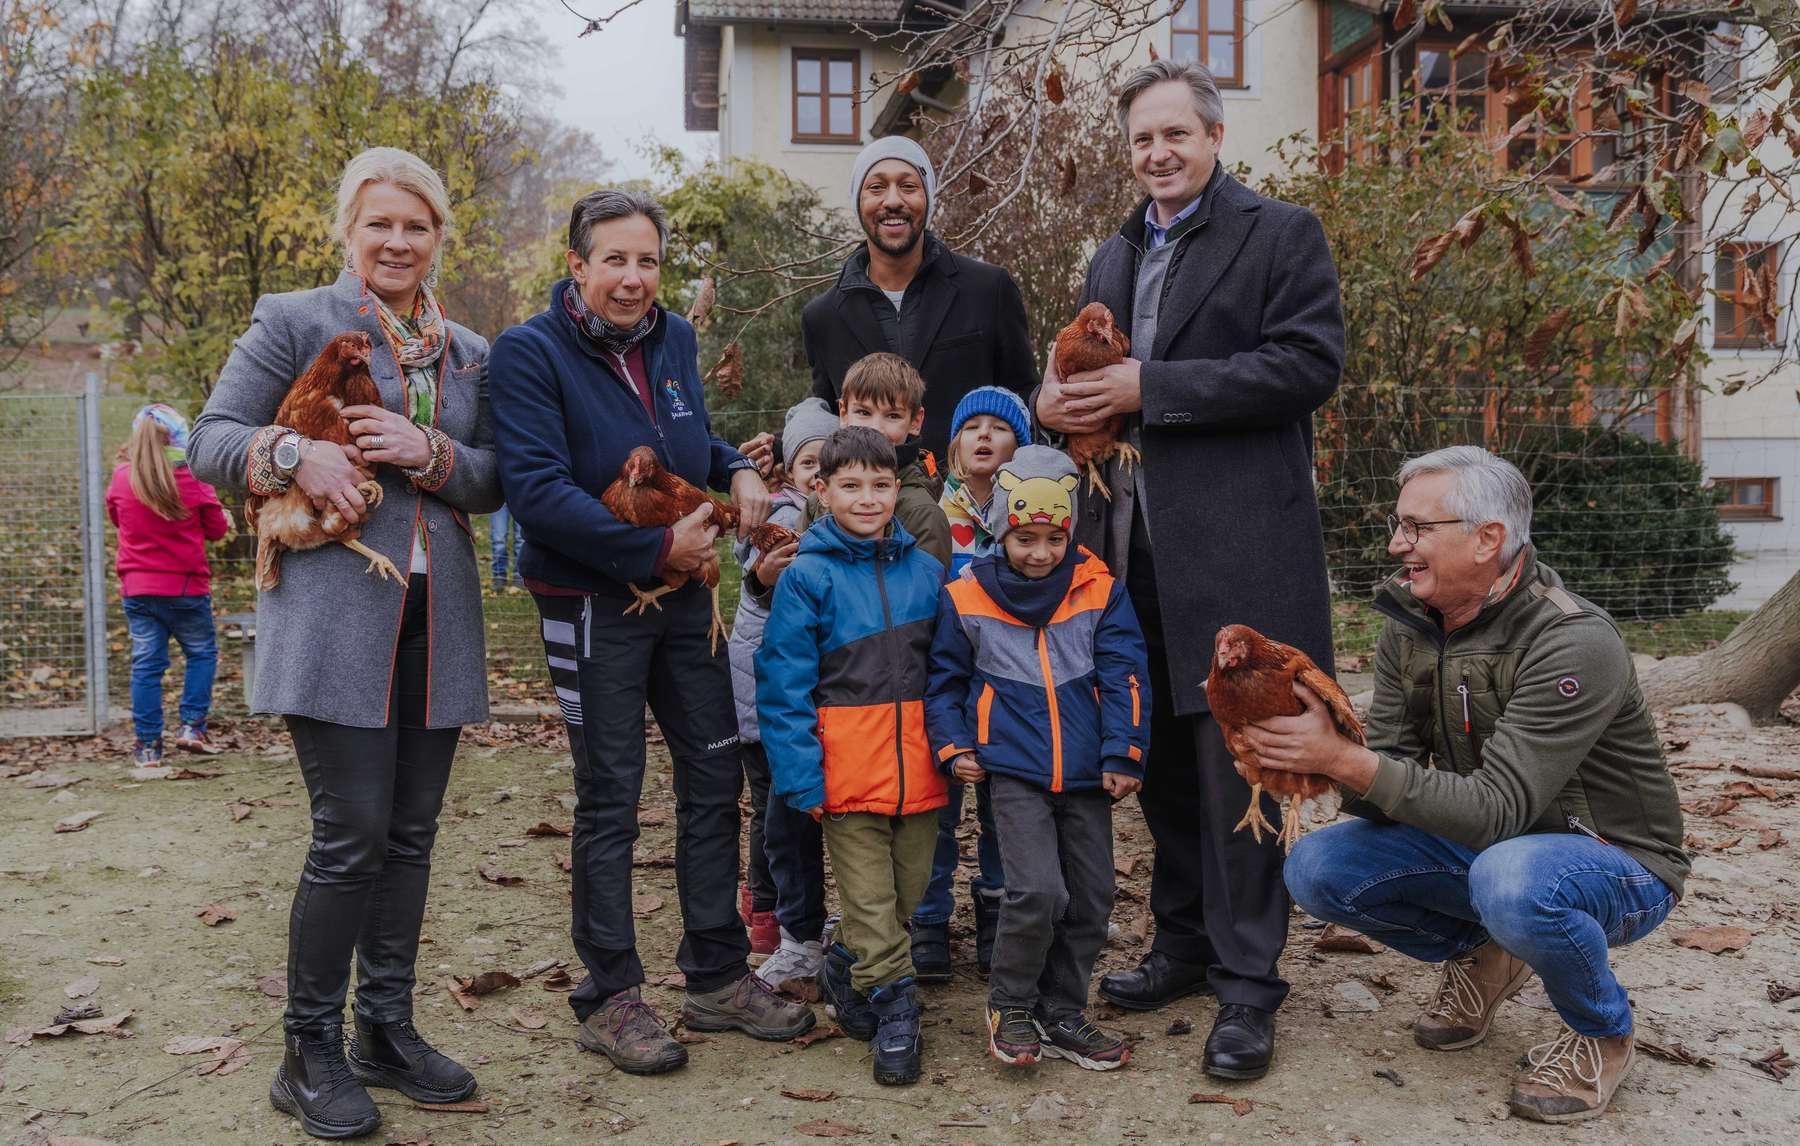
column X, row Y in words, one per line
column 808, row 420
column 891, row 147
column 998, row 401
column 1035, row 487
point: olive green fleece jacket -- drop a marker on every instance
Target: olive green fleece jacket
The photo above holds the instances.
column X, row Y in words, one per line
column 1528, row 719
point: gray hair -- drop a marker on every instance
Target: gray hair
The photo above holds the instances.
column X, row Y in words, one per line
column 1487, row 488
column 1206, row 92
column 614, row 203
column 400, row 168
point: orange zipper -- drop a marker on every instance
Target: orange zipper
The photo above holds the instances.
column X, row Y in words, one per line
column 1056, row 761
column 983, row 707
column 1135, row 710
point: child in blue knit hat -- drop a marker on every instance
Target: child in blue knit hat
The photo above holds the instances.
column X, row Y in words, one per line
column 989, row 424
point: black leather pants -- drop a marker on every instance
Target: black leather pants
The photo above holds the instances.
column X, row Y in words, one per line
column 375, row 796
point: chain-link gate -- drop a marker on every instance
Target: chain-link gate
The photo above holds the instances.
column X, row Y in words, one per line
column 53, row 672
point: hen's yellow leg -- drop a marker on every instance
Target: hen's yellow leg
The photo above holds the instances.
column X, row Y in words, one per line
column 1290, row 824
column 717, row 628
column 1127, row 454
column 1254, row 818
column 645, row 600
column 377, row 563
column 1094, row 481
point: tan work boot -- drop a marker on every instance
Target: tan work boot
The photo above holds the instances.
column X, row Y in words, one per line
column 1472, row 989
column 749, row 1005
column 1572, row 1077
column 629, row 1033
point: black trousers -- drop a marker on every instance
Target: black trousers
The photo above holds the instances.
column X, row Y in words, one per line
column 1217, row 895
column 756, row 866
column 375, row 796
column 606, row 666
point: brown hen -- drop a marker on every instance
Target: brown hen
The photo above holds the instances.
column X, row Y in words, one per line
column 647, row 495
column 1089, row 343
column 338, row 377
column 1252, row 679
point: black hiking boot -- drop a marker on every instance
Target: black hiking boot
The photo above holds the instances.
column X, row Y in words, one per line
column 844, row 1002
column 314, row 1084
column 396, row 1056
column 931, row 952
column 896, row 1043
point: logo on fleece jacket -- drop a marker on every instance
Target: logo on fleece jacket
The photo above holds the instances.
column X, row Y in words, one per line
column 678, row 408
column 1038, row 500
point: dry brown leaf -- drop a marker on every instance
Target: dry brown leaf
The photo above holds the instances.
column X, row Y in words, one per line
column 819, row 1034
column 229, row 1055
column 1727, row 843
column 458, row 989
column 705, row 299
column 558, row 980
column 1750, row 789
column 1537, row 343
column 728, row 371
column 1521, row 244
column 1139, row 929
column 1776, row 1064
column 688, row 1038
column 530, row 1018
column 1710, row 806
column 103, row 1025
column 546, row 828
column 1337, row 937
column 647, row 904
column 1623, row 11
column 1673, row 1052
column 541, row 966
column 808, row 1094
column 83, row 987
column 488, row 982
column 1469, row 228
column 1239, row 1106
column 1780, row 992
column 494, row 873
column 566, row 862
column 192, row 774
column 826, row 1128
column 214, row 914
column 274, row 986
column 238, row 811
column 1713, row 940
column 1766, row 771
column 1066, row 178
column 1053, row 87
column 1769, row 838
column 466, row 1106
column 1754, row 128
column 76, row 822
column 1430, row 252
column 1125, row 865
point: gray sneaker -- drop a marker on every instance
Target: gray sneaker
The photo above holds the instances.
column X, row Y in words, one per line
column 629, row 1033
column 749, row 1005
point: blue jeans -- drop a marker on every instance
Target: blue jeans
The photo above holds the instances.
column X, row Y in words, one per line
column 1557, row 901
column 499, row 525
column 939, row 898
column 152, row 621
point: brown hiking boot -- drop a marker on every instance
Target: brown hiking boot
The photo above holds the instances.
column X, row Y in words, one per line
column 629, row 1033
column 1472, row 989
column 749, row 1005
column 1572, row 1077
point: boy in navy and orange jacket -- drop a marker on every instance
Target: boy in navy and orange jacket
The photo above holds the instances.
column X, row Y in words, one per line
column 840, row 696
column 1038, row 687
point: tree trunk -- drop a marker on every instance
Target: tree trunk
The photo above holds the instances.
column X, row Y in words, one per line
column 1757, row 666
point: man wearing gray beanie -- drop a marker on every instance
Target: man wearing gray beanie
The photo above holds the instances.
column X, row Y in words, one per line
column 958, row 320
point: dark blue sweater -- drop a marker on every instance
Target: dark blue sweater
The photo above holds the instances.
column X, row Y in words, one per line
column 566, row 416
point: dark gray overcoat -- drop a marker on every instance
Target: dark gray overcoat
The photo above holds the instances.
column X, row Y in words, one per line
column 326, row 635
column 1249, row 342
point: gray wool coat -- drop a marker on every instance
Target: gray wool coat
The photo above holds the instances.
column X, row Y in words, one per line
column 326, row 635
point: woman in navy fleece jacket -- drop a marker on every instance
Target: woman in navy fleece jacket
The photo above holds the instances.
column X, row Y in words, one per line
column 574, row 390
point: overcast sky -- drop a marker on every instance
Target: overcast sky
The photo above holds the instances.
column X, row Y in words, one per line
column 624, row 83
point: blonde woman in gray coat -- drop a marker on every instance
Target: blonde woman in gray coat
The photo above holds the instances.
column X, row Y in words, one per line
column 374, row 678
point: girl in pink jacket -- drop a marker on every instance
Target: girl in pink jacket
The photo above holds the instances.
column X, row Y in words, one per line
column 165, row 517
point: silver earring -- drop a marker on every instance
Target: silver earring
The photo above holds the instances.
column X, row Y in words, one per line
column 349, row 261
column 431, row 278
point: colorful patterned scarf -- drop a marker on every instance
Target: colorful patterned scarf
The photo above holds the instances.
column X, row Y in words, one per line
column 417, row 343
column 614, row 340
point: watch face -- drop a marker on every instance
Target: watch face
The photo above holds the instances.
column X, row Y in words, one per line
column 287, row 454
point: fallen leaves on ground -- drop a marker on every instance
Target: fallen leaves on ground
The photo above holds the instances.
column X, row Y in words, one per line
column 826, row 1128
column 530, row 1018
column 1750, row 789
column 1766, row 771
column 104, row 1025
column 76, row 822
column 274, row 986
column 540, row 967
column 238, row 811
column 466, row 989
column 1673, row 1052
column 808, row 1094
column 1239, row 1106
column 466, row 1106
column 1125, row 865
column 1776, row 1064
column 1181, row 1027
column 819, row 1034
column 1710, row 806
column 83, row 987
column 494, row 873
column 1337, row 937
column 546, row 828
column 1714, row 940
column 229, row 1055
column 566, row 862
column 558, row 980
column 1780, row 992
column 214, row 914
column 644, row 906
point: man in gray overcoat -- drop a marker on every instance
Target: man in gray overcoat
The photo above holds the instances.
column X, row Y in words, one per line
column 1231, row 301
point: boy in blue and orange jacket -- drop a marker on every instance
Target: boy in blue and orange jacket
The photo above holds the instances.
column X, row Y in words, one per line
column 840, row 696
column 1037, row 685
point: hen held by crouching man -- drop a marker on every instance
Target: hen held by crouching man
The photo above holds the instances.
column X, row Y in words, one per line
column 1523, row 818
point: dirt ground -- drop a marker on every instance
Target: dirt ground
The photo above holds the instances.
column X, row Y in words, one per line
column 115, row 904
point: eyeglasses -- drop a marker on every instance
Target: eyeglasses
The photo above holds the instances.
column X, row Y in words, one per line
column 1409, row 529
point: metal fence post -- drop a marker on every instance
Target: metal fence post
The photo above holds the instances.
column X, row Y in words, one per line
column 93, row 552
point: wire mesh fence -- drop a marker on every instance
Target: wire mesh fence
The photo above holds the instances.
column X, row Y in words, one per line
column 1678, row 551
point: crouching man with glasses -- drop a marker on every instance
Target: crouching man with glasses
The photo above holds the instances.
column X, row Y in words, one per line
column 1515, row 812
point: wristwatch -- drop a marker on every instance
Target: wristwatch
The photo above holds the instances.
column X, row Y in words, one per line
column 287, row 453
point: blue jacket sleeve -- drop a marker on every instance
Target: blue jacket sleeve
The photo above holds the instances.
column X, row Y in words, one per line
column 787, row 672
column 532, row 444
column 1122, row 668
column 947, row 721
